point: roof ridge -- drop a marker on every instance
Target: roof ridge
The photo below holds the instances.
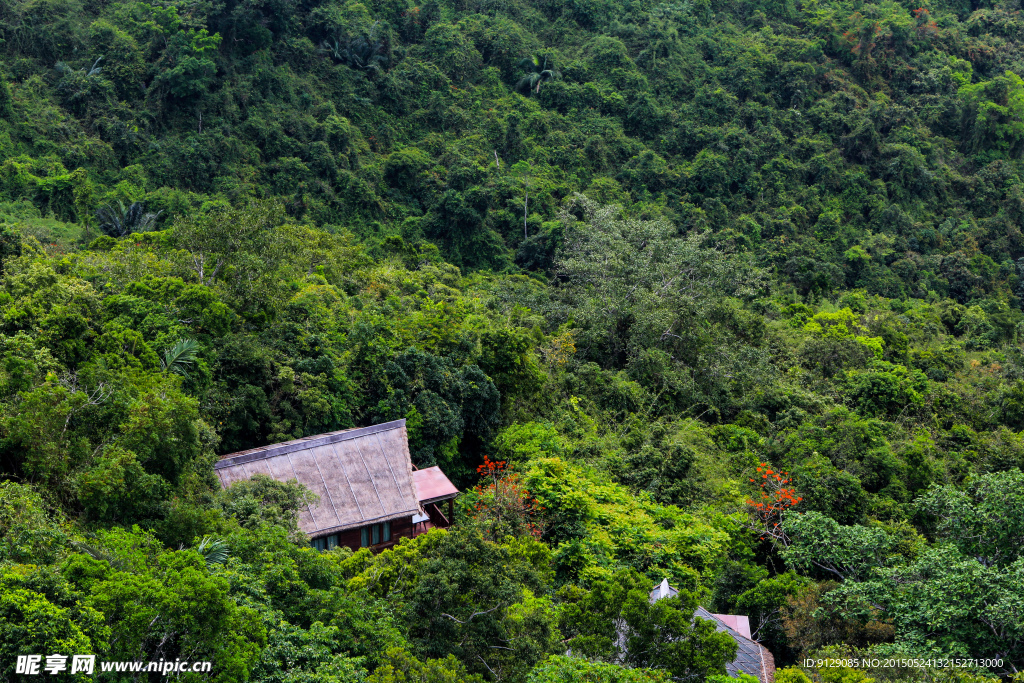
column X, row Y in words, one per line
column 275, row 449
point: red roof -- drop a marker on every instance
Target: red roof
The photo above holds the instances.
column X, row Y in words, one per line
column 432, row 485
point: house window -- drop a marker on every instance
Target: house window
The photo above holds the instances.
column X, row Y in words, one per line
column 325, row 542
column 375, row 534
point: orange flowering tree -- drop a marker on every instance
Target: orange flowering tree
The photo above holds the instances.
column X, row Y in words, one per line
column 502, row 505
column 926, row 26
column 777, row 496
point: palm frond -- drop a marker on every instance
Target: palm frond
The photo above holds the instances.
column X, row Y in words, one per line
column 539, row 69
column 120, row 221
column 98, row 554
column 214, row 550
column 370, row 50
column 180, row 357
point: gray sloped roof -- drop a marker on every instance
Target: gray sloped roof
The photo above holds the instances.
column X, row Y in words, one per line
column 751, row 657
column 362, row 476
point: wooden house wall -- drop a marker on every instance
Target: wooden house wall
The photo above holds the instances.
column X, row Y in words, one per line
column 400, row 528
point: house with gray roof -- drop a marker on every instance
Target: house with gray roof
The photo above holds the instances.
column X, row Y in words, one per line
column 370, row 492
column 751, row 657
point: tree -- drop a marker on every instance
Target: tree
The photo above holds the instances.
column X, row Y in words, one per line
column 503, row 507
column 120, row 221
column 994, row 115
column 844, row 552
column 984, row 622
column 6, row 101
column 484, row 603
column 647, row 298
column 40, row 611
column 239, row 248
column 263, row 500
column 28, row 534
column 401, row 667
column 768, row 511
column 180, row 357
column 187, row 68
column 368, row 51
column 524, row 171
column 985, row 519
column 10, row 244
column 540, row 69
column 165, row 605
column 764, row 604
column 82, row 88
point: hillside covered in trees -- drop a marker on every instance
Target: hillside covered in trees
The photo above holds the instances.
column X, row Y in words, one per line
column 728, row 293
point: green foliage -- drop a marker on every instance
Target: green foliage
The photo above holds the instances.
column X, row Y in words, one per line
column 484, row 603
column 10, row 243
column 120, row 221
column 401, row 667
column 985, row 520
column 193, row 71
column 558, row 668
column 369, row 51
column 634, row 249
column 40, row 611
column 616, row 622
column 262, row 500
column 6, row 105
column 983, row 619
column 27, row 532
column 637, row 291
column 538, row 71
column 994, row 118
column 844, row 551
column 180, row 357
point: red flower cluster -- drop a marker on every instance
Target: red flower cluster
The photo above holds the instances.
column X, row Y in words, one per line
column 504, row 506
column 776, row 497
column 491, row 468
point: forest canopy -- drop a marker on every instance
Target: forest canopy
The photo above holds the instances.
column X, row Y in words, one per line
column 728, row 294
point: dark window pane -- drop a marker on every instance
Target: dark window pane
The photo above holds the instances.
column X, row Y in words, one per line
column 376, row 534
column 387, row 531
column 364, row 536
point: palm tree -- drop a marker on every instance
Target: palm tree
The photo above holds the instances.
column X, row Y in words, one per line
column 539, row 69
column 120, row 221
column 64, row 69
column 370, row 51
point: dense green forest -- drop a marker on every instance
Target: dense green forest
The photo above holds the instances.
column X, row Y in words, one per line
column 728, row 293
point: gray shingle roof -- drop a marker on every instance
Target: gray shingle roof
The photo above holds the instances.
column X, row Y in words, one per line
column 751, row 657
column 362, row 476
